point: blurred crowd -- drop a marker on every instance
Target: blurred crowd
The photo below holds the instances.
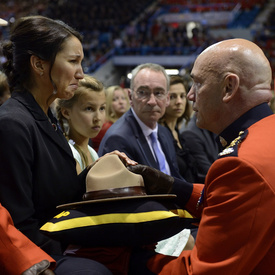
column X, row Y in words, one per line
column 133, row 29
column 265, row 38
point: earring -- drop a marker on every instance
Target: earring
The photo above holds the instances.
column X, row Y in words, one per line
column 41, row 73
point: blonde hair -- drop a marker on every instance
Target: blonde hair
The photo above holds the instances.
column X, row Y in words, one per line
column 110, row 114
column 87, row 84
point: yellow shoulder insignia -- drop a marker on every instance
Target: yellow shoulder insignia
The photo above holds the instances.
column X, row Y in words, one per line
column 232, row 149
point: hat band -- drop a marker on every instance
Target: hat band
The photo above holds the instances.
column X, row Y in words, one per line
column 115, row 192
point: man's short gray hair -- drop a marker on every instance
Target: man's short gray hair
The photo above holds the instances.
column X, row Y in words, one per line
column 150, row 66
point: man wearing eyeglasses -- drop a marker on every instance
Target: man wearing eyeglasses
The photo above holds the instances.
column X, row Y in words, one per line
column 137, row 133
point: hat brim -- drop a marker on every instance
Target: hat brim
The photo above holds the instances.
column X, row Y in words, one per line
column 76, row 204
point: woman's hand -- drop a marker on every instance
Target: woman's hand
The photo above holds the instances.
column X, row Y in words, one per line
column 123, row 157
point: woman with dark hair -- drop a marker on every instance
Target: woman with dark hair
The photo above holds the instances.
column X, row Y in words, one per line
column 178, row 112
column 37, row 168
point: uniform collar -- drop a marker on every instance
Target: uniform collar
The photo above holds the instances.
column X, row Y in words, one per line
column 242, row 123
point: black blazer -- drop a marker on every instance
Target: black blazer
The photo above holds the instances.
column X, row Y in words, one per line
column 125, row 135
column 37, row 168
column 202, row 146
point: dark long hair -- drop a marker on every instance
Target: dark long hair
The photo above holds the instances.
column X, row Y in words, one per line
column 33, row 35
column 177, row 79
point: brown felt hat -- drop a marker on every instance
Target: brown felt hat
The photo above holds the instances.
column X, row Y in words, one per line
column 109, row 180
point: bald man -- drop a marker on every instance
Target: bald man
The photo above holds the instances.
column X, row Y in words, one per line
column 230, row 94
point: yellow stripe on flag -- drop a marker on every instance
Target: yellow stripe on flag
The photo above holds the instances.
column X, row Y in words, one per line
column 107, row 219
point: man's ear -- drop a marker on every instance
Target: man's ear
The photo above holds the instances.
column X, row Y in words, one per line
column 130, row 95
column 168, row 99
column 232, row 83
column 37, row 64
column 65, row 113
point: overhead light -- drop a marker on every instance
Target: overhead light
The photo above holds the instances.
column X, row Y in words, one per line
column 3, row 22
column 172, row 71
column 168, row 71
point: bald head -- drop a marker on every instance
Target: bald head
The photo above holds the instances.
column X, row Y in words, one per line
column 236, row 76
column 244, row 58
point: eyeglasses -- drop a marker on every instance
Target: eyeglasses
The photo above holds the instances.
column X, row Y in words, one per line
column 146, row 94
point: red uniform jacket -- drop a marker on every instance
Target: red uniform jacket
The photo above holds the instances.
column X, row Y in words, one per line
column 237, row 230
column 17, row 252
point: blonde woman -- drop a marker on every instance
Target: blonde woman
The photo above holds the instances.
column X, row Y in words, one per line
column 117, row 103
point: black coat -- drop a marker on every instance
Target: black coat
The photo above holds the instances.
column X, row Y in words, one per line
column 37, row 168
column 202, row 145
column 186, row 162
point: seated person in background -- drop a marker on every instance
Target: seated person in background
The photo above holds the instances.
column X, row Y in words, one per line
column 81, row 118
column 179, row 109
column 117, row 103
column 202, row 145
column 137, row 133
column 230, row 93
column 17, row 253
column 4, row 88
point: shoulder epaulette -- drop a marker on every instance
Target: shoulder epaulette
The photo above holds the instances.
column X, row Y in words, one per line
column 232, row 149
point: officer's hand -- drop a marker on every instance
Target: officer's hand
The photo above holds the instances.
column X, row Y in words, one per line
column 155, row 181
column 39, row 269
